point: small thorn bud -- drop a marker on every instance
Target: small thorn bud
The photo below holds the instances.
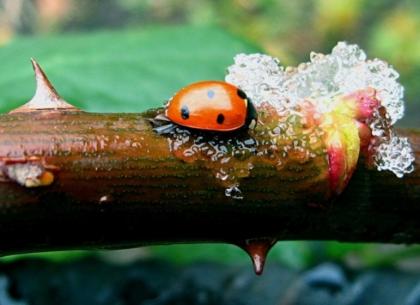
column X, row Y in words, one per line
column 46, row 97
column 257, row 250
column 29, row 175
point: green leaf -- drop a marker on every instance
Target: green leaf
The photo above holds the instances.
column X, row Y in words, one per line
column 118, row 71
column 56, row 256
column 188, row 253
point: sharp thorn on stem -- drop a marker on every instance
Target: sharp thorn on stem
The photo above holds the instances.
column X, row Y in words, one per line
column 46, row 97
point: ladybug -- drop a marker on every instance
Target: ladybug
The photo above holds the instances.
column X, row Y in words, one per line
column 211, row 106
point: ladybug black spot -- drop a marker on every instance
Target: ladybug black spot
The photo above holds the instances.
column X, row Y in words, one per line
column 241, row 94
column 185, row 112
column 220, row 118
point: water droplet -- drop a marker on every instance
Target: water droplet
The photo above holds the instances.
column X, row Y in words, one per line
column 234, row 192
column 345, row 70
column 322, row 81
column 395, row 155
column 257, row 250
column 259, row 75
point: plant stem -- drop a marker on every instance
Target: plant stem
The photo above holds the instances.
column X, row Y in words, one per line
column 117, row 184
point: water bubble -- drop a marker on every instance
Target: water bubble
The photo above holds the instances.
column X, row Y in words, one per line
column 395, row 155
column 350, row 55
column 259, row 75
column 234, row 192
column 343, row 71
column 222, row 175
column 322, row 80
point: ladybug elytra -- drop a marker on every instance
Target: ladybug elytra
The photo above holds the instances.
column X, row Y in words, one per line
column 211, row 106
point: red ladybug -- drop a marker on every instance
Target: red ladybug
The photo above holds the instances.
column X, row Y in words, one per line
column 211, row 106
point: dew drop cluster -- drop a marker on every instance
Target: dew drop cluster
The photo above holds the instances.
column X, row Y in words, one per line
column 321, row 80
column 395, row 155
column 286, row 143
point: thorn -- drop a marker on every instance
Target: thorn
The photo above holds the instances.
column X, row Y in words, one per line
column 257, row 250
column 46, row 97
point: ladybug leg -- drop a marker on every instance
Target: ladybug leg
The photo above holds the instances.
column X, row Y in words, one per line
column 161, row 124
column 159, row 120
column 164, row 129
column 162, row 117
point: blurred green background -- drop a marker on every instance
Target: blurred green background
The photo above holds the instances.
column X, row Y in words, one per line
column 130, row 55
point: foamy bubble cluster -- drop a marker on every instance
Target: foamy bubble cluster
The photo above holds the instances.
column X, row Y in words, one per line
column 345, row 70
column 261, row 77
column 396, row 156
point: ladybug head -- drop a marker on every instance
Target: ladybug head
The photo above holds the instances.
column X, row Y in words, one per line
column 251, row 112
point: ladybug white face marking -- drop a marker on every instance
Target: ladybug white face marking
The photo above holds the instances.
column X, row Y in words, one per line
column 252, row 124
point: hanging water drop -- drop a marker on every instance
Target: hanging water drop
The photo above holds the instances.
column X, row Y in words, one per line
column 257, row 250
